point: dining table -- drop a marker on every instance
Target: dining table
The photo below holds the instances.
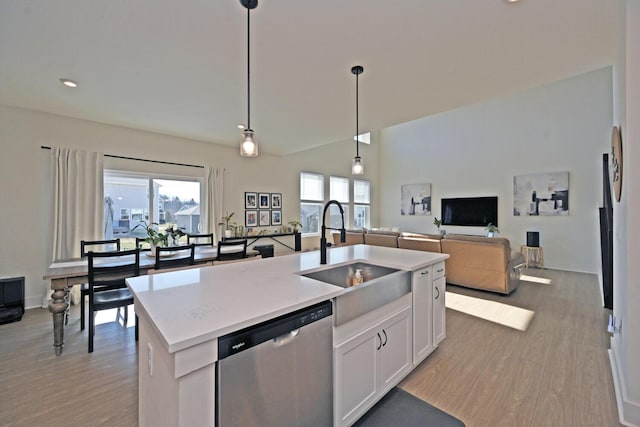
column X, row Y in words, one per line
column 64, row 274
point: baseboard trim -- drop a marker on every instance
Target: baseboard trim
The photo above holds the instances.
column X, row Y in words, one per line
column 628, row 411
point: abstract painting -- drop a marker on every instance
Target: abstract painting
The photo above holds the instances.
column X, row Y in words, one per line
column 415, row 199
column 541, row 194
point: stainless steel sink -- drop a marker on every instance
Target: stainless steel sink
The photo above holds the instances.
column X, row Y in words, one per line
column 342, row 275
column 381, row 286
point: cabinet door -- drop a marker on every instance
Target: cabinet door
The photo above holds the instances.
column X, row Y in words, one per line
column 422, row 314
column 395, row 354
column 355, row 376
column 439, row 310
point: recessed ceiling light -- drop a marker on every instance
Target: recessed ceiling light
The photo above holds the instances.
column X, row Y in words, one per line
column 68, row 83
column 512, row 1
column 241, row 126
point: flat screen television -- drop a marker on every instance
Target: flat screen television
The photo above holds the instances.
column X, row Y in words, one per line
column 470, row 211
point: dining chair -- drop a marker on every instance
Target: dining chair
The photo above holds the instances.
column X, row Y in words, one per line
column 107, row 288
column 200, row 239
column 175, row 257
column 110, row 245
column 232, row 249
column 142, row 244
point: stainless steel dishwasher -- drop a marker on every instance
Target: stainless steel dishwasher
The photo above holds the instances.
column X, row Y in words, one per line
column 278, row 373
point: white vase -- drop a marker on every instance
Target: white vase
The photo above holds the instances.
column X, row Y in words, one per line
column 227, row 233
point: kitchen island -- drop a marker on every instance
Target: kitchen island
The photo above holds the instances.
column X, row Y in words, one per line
column 183, row 313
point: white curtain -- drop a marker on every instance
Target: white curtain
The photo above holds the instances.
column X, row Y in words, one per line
column 77, row 200
column 212, row 208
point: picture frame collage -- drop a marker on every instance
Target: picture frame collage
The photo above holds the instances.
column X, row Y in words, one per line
column 262, row 209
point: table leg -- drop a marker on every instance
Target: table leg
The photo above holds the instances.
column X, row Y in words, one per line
column 58, row 307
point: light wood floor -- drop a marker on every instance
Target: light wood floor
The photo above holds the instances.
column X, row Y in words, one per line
column 556, row 373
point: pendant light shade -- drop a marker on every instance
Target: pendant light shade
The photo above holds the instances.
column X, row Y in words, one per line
column 357, row 166
column 249, row 145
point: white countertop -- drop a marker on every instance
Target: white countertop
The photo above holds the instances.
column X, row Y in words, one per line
column 193, row 306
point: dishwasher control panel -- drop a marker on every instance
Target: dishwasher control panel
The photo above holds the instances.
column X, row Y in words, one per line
column 244, row 339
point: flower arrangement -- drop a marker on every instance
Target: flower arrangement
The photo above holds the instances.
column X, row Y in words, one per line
column 294, row 223
column 154, row 237
column 158, row 238
column 175, row 233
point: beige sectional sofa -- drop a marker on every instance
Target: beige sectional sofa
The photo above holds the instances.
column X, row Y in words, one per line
column 474, row 261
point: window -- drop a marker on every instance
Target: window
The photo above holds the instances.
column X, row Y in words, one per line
column 338, row 190
column 311, row 198
column 132, row 199
column 364, row 138
column 361, row 202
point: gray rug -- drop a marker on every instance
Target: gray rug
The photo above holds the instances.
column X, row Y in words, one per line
column 399, row 408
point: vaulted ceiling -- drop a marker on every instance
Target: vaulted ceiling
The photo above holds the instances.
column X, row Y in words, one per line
column 179, row 67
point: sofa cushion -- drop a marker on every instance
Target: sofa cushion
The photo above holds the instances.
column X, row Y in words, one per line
column 421, row 235
column 382, row 238
column 419, row 243
column 353, row 237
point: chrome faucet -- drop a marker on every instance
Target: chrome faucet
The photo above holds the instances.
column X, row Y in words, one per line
column 323, row 239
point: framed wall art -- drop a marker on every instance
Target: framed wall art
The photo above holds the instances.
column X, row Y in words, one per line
column 276, row 200
column 250, row 201
column 276, row 217
column 265, row 219
column 415, row 199
column 264, row 201
column 251, row 218
column 541, row 194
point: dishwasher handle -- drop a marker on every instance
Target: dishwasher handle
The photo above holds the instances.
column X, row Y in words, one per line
column 285, row 339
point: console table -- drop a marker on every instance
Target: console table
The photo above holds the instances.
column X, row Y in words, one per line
column 297, row 238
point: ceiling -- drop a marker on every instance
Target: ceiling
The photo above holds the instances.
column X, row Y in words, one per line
column 179, row 67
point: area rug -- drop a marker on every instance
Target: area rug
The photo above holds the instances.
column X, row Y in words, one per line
column 399, row 408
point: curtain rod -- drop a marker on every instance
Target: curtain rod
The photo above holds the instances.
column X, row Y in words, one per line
column 44, row 147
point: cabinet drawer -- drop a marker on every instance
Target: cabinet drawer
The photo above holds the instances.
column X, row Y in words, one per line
column 438, row 270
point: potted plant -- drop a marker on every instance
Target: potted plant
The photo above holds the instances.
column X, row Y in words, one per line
column 492, row 230
column 228, row 224
column 294, row 223
column 438, row 223
column 154, row 237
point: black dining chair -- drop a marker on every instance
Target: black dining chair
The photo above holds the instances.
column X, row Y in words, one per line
column 142, row 244
column 200, row 239
column 232, row 249
column 107, row 288
column 175, row 257
column 110, row 245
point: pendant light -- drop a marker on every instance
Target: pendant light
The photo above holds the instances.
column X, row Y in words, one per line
column 357, row 167
column 249, row 146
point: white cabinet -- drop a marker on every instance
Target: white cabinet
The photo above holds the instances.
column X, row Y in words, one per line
column 422, row 314
column 428, row 288
column 439, row 310
column 370, row 363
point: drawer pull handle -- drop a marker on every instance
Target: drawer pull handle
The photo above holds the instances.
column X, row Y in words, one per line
column 379, row 342
column 385, row 337
column 438, row 292
column 424, row 273
column 441, row 270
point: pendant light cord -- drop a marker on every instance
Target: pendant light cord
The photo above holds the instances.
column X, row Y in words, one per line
column 357, row 134
column 248, row 68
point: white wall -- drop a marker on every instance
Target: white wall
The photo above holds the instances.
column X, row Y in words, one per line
column 25, row 179
column 476, row 150
column 625, row 345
